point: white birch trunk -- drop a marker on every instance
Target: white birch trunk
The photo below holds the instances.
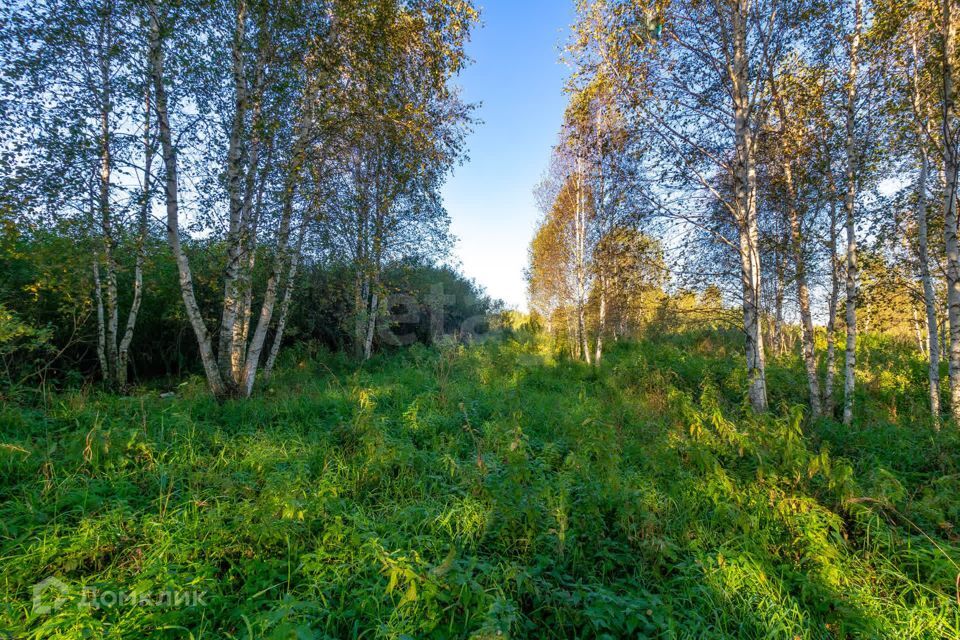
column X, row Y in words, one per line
column 252, row 360
column 249, row 223
column 849, row 206
column 829, row 404
column 779, row 342
column 112, row 322
column 929, row 295
column 371, row 329
column 745, row 193
column 951, row 163
column 101, row 328
column 141, row 240
column 285, row 303
column 227, row 354
column 601, row 319
column 580, row 241
column 169, row 155
column 803, row 294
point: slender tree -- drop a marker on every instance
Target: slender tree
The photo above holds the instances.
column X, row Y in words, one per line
column 850, row 201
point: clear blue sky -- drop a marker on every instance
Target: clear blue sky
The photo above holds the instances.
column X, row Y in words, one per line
column 518, row 77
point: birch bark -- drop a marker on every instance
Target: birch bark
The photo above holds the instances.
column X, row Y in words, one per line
column 951, row 163
column 849, row 383
column 169, row 155
column 803, row 292
column 745, row 194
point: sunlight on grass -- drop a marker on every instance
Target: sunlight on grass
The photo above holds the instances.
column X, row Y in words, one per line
column 492, row 489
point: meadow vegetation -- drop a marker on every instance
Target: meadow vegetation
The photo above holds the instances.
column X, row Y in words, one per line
column 489, row 491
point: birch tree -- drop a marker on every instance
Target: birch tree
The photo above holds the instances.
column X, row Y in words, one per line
column 266, row 50
column 403, row 130
column 852, row 152
column 77, row 74
column 568, row 202
column 950, row 140
column 797, row 104
column 552, row 275
column 359, row 89
column 907, row 33
column 606, row 149
column 700, row 89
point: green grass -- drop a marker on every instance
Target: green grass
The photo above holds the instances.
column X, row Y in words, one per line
column 485, row 492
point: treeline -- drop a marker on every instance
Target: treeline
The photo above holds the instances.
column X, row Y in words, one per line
column 189, row 182
column 801, row 155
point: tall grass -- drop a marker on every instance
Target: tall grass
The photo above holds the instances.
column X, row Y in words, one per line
column 488, row 492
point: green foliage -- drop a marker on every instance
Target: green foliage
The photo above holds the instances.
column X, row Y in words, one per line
column 23, row 348
column 484, row 492
column 46, row 289
column 428, row 299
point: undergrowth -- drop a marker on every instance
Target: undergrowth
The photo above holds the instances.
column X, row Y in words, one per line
column 487, row 492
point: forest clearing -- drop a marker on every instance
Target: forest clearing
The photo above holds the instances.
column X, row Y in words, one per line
column 402, row 319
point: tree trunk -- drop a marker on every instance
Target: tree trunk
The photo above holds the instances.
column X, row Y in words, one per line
column 101, row 321
column 112, row 322
column 227, row 354
column 829, row 404
column 371, row 329
column 951, row 162
column 929, row 295
column 169, row 155
column 285, row 303
column 361, row 301
column 252, row 359
column 750, row 267
column 141, row 239
column 256, row 181
column 601, row 319
column 580, row 240
column 360, row 305
column 745, row 194
column 572, row 338
column 778, row 340
column 803, row 293
column 944, row 334
column 849, row 205
column 249, row 220
column 600, row 216
column 918, row 333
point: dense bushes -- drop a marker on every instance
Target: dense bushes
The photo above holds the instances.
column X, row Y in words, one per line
column 423, row 301
column 46, row 288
